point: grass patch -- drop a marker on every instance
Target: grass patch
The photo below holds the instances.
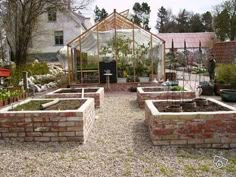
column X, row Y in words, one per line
column 231, row 166
column 189, row 170
column 204, row 168
column 127, row 169
column 164, row 170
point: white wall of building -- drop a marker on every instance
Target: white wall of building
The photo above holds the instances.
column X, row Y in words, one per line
column 43, row 37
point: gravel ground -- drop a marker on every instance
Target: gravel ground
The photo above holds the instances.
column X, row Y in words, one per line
column 119, row 145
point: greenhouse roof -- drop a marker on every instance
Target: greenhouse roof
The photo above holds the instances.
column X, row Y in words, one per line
column 114, row 24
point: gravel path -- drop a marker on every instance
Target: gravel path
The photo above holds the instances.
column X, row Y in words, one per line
column 119, row 145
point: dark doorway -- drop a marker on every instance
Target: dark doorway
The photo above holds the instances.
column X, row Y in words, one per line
column 109, row 66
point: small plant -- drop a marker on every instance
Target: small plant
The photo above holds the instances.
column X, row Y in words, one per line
column 177, row 88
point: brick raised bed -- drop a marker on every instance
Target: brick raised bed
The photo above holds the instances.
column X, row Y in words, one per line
column 89, row 92
column 48, row 125
column 161, row 93
column 192, row 129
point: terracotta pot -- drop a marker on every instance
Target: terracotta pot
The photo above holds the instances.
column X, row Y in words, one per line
column 5, row 102
column 1, row 103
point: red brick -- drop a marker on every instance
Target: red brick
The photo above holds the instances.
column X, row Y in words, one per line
column 59, row 139
column 66, row 134
column 9, row 134
column 42, row 139
column 58, row 129
column 162, row 131
column 50, row 134
column 4, row 130
column 34, row 134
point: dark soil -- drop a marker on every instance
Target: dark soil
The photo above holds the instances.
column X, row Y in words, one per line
column 77, row 91
column 61, row 105
column 30, row 106
column 162, row 107
column 153, row 89
column 66, row 105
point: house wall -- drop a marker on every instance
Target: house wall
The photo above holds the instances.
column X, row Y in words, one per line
column 43, row 37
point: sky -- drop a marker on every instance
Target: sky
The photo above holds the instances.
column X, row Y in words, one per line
column 196, row 6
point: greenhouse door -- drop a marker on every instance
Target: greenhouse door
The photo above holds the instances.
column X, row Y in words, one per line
column 107, row 67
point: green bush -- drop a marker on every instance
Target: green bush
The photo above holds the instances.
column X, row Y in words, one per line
column 5, row 94
column 32, row 69
column 177, row 88
column 226, row 73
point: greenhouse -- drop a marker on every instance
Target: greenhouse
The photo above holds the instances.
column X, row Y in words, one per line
column 118, row 47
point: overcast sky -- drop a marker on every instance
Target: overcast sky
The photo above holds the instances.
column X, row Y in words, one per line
column 197, row 6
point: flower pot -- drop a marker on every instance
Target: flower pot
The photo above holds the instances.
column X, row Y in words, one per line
column 1, row 103
column 121, row 80
column 5, row 102
column 219, row 86
column 143, row 79
column 228, row 95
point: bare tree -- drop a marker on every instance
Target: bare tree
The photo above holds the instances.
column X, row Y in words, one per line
column 20, row 18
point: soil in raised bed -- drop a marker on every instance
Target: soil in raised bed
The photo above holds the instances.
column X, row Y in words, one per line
column 30, row 106
column 61, row 105
column 153, row 89
column 66, row 105
column 77, row 91
column 211, row 107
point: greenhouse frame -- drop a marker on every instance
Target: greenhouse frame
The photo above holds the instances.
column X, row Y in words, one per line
column 118, row 47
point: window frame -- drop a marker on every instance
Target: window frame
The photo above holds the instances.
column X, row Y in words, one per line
column 52, row 15
column 58, row 38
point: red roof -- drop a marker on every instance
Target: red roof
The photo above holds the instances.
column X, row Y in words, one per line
column 192, row 39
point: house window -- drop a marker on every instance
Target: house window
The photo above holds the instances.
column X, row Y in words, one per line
column 52, row 15
column 59, row 38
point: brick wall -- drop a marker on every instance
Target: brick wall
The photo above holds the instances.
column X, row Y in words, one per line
column 161, row 95
column 205, row 129
column 225, row 52
column 47, row 126
column 116, row 86
column 98, row 96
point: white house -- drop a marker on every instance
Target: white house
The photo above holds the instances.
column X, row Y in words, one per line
column 56, row 29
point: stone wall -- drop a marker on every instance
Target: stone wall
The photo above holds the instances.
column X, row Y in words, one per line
column 48, row 126
column 161, row 95
column 192, row 129
column 98, row 96
column 117, row 86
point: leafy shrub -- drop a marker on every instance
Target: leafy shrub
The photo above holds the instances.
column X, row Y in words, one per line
column 177, row 88
column 226, row 73
column 33, row 69
column 5, row 94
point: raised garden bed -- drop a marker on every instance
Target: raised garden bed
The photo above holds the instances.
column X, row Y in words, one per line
column 46, row 120
column 94, row 92
column 211, row 124
column 161, row 93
